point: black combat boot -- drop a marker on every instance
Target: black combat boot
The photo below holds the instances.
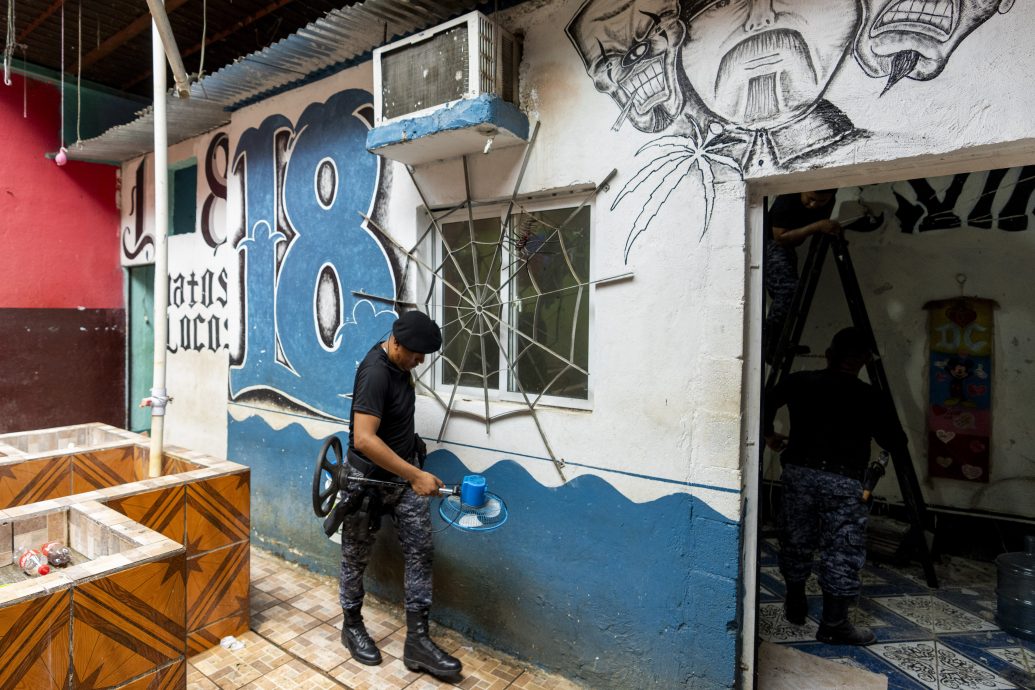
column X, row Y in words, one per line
column 835, row 628
column 795, row 605
column 421, row 654
column 354, row 636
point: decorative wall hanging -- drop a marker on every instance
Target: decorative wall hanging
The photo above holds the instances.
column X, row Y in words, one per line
column 959, row 415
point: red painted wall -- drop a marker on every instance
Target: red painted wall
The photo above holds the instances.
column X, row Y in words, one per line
column 62, row 322
column 58, row 225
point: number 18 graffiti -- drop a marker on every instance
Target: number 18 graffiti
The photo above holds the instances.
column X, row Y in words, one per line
column 304, row 254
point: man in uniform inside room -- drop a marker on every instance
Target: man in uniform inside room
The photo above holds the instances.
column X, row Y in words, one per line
column 792, row 219
column 383, row 446
column 833, row 417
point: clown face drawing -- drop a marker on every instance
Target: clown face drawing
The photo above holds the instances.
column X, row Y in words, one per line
column 915, row 38
column 760, row 64
column 630, row 48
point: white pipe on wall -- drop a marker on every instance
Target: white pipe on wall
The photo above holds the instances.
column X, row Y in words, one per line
column 161, row 292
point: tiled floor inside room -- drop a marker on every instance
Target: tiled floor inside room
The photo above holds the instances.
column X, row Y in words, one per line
column 944, row 638
column 294, row 643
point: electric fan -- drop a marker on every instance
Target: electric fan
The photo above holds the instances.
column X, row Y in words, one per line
column 468, row 506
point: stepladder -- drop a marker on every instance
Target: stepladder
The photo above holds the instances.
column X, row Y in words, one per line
column 788, row 345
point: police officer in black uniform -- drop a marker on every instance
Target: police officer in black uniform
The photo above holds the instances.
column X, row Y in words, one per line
column 833, row 417
column 383, row 445
column 791, row 220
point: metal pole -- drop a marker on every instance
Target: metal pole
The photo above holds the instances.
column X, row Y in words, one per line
column 163, row 31
column 161, row 292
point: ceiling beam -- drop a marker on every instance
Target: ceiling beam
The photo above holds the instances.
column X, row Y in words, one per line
column 116, row 40
column 34, row 24
column 217, row 37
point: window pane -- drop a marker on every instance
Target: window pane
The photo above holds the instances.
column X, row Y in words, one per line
column 183, row 201
column 471, row 322
column 551, row 303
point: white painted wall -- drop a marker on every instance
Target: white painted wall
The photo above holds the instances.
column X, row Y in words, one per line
column 196, row 379
column 669, row 359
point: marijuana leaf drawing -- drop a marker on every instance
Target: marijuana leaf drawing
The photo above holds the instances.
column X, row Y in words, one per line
column 677, row 157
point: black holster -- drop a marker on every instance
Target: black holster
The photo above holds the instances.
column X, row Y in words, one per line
column 365, row 505
column 420, row 450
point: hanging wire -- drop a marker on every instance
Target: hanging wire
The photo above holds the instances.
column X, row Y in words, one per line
column 949, row 212
column 25, row 85
column 204, row 32
column 62, row 68
column 9, row 43
column 79, row 80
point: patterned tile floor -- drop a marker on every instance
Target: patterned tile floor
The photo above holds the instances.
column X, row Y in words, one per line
column 294, row 643
column 944, row 638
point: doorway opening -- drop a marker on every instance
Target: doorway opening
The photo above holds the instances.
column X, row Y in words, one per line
column 941, row 265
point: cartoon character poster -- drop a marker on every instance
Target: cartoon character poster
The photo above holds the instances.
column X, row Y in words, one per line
column 959, row 422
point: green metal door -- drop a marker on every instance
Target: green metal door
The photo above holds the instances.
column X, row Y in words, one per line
column 141, row 344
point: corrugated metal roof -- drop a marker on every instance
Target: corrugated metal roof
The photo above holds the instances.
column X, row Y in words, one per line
column 340, row 38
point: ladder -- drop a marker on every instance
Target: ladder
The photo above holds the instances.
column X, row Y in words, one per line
column 820, row 245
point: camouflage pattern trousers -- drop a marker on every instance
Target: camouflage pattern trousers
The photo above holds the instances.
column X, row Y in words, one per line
column 781, row 282
column 823, row 510
column 412, row 516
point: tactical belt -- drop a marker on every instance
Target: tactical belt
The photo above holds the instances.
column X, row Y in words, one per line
column 832, row 466
column 369, row 469
column 367, row 502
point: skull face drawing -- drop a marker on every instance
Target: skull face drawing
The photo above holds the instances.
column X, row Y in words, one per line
column 915, row 38
column 631, row 48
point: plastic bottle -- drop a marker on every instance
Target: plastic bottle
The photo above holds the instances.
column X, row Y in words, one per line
column 57, row 554
column 32, row 562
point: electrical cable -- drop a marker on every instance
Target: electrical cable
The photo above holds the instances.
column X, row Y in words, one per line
column 450, row 523
column 9, row 43
column 79, row 79
column 204, row 32
column 62, row 68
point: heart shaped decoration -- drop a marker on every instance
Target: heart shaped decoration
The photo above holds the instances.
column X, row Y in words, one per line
column 977, row 446
column 971, row 471
column 975, row 389
column 961, row 314
column 943, row 461
column 945, row 436
column 964, row 420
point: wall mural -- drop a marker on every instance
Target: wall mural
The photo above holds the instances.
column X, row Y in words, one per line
column 197, row 306
column 212, row 208
column 950, row 209
column 138, row 246
column 737, row 87
column 305, row 255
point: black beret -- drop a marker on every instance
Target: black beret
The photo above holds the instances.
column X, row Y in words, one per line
column 417, row 332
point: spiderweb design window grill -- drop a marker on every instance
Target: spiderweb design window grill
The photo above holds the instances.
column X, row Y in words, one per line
column 511, row 294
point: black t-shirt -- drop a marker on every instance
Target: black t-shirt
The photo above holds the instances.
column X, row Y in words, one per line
column 789, row 213
column 386, row 392
column 833, row 417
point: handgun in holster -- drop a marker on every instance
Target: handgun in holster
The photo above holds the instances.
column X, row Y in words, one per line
column 874, row 471
column 365, row 505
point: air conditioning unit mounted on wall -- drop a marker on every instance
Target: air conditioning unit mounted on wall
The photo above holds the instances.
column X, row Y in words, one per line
column 446, row 91
column 463, row 58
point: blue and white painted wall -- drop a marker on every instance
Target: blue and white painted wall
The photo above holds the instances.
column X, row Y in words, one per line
column 626, row 571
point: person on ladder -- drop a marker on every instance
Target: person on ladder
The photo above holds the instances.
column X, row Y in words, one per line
column 792, row 219
column 833, row 417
